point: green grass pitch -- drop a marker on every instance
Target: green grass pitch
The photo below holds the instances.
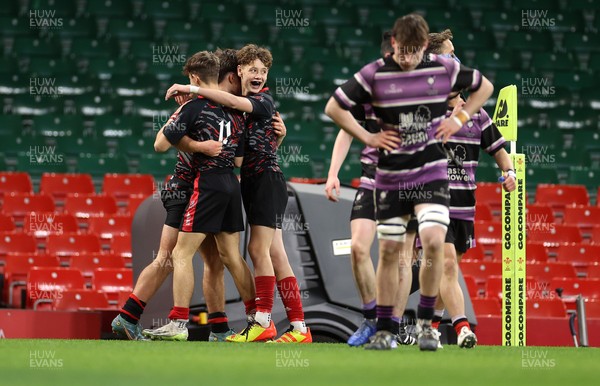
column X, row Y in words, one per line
column 81, row 362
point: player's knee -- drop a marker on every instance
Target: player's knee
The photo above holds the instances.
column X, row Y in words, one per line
column 433, row 215
column 258, row 250
column 360, row 251
column 433, row 245
column 392, row 229
column 389, row 251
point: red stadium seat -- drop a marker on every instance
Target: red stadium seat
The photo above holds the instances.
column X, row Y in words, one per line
column 593, row 271
column 43, row 224
column 121, row 246
column 545, row 272
column 585, row 217
column 7, row 224
column 46, row 284
column 19, row 205
column 111, row 281
column 490, row 194
column 559, row 196
column 494, row 251
column 486, row 307
column 122, row 186
column 572, row 286
column 480, row 270
column 595, row 235
column 123, row 296
column 539, row 213
column 592, row 308
column 87, row 263
column 13, row 182
column 108, row 226
column 578, row 254
column 536, row 252
column 78, row 300
column 11, row 242
column 475, row 253
column 84, row 206
column 68, row 245
column 483, row 213
column 59, row 185
column 16, row 268
column 552, row 235
column 133, row 203
column 488, row 232
column 543, row 308
column 582, row 215
column 471, row 286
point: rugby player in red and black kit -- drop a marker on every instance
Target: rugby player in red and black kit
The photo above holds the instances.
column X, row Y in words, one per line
column 175, row 197
column 264, row 193
column 215, row 206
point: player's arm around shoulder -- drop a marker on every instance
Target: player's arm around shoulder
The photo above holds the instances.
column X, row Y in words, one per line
column 218, row 96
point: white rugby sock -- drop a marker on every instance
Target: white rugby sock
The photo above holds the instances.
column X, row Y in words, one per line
column 299, row 326
column 263, row 318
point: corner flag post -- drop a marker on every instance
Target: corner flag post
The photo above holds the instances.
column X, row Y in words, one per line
column 514, row 286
